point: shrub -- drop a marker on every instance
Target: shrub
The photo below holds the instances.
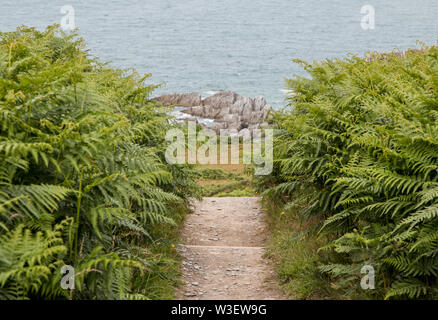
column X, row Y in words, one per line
column 83, row 181
column 357, row 151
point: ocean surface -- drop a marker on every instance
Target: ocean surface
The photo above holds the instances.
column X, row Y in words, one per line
column 240, row 45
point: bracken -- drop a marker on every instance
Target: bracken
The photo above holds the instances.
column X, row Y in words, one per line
column 83, row 181
column 357, row 150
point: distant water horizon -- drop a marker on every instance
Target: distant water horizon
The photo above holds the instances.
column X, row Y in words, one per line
column 245, row 46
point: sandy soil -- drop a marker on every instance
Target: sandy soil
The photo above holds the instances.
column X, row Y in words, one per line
column 223, row 250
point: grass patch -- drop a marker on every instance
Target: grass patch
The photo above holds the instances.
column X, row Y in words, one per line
column 225, row 181
column 166, row 272
column 209, row 173
column 295, row 256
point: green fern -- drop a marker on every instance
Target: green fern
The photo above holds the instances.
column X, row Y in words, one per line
column 83, row 177
column 358, row 150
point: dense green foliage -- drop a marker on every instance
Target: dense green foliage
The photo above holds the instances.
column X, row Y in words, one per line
column 83, row 181
column 206, row 173
column 356, row 153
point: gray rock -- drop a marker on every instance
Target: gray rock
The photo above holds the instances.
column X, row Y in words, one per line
column 211, row 112
column 220, row 99
column 223, row 112
column 256, row 117
column 234, row 126
column 231, row 112
column 180, row 99
column 245, row 133
column 246, row 114
column 217, row 126
column 257, row 134
column 197, row 111
column 266, row 112
column 229, row 132
column 259, row 103
column 241, row 104
column 231, row 118
column 190, row 294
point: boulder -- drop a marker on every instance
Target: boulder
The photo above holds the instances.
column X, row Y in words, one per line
column 223, row 112
column 232, row 117
column 246, row 133
column 266, row 110
column 257, row 134
column 246, row 114
column 259, row 103
column 241, row 104
column 180, row 99
column 195, row 111
column 254, row 126
column 229, row 132
column 236, row 125
column 256, row 117
column 211, row 112
column 229, row 110
column 221, row 100
column 217, row 126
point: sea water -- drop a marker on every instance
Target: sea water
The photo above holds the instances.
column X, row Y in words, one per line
column 245, row 46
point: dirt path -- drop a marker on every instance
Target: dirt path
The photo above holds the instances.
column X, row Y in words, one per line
column 223, row 250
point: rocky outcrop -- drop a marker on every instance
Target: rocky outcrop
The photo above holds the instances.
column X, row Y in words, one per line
column 180, row 99
column 231, row 112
